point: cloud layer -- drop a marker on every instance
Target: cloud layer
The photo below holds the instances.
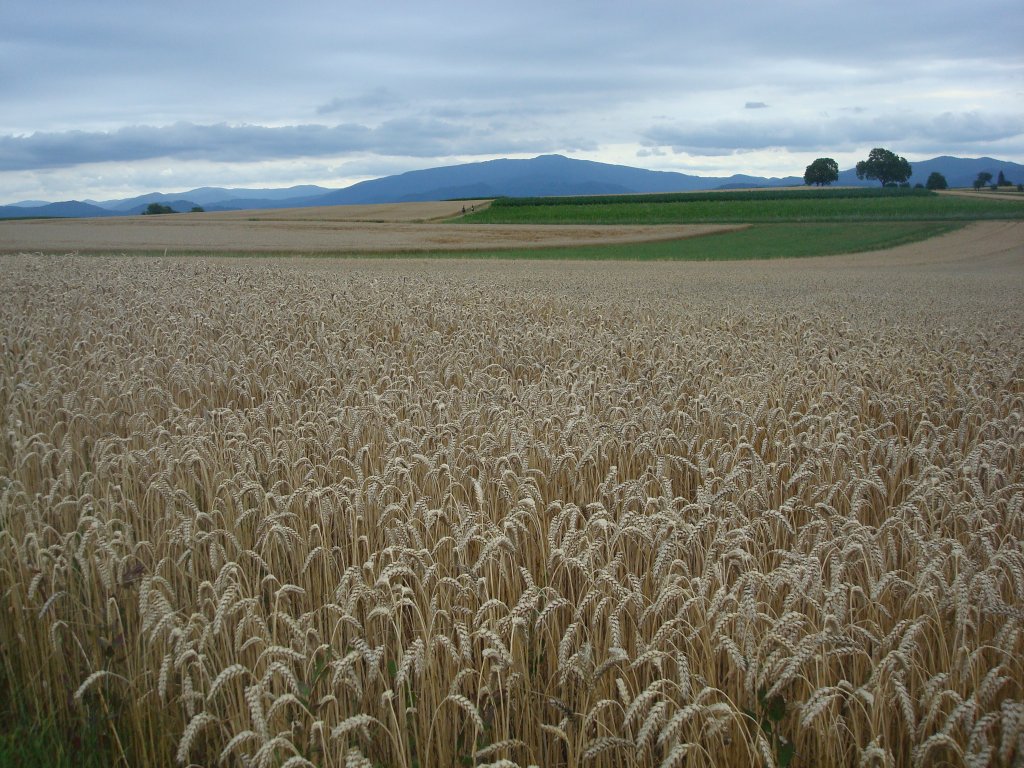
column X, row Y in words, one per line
column 727, row 86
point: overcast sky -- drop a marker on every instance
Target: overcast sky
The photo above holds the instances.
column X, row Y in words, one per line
column 107, row 99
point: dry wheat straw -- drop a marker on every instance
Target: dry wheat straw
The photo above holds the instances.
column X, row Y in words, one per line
column 350, row 514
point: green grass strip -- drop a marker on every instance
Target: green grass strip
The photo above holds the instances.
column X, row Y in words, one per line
column 28, row 742
column 766, row 241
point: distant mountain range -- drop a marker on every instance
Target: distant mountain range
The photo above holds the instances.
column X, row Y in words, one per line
column 542, row 176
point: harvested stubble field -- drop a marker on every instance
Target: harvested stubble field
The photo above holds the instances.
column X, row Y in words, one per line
column 340, row 229
column 424, row 513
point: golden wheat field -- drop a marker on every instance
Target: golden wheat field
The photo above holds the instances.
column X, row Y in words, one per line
column 361, row 513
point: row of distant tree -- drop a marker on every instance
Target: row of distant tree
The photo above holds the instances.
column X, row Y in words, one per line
column 889, row 169
column 985, row 180
column 154, row 209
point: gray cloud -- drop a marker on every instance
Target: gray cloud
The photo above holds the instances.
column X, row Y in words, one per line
column 224, row 143
column 375, row 99
column 180, row 140
column 236, row 82
column 922, row 132
column 404, row 137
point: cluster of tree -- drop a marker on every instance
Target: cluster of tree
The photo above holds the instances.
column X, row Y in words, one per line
column 985, row 180
column 882, row 165
column 890, row 169
column 154, row 209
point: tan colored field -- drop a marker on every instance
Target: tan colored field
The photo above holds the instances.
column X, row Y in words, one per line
column 979, row 246
column 1003, row 193
column 400, row 227
column 438, row 513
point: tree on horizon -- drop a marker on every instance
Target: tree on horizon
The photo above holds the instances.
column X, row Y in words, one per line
column 884, row 166
column 821, row 172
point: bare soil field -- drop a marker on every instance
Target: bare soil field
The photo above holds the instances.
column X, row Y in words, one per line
column 1003, row 193
column 402, row 227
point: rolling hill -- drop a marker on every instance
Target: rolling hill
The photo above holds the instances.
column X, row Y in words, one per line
column 541, row 176
column 70, row 209
column 545, row 175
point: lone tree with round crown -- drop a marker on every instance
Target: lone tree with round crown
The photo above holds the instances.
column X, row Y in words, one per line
column 824, row 170
column 884, row 166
